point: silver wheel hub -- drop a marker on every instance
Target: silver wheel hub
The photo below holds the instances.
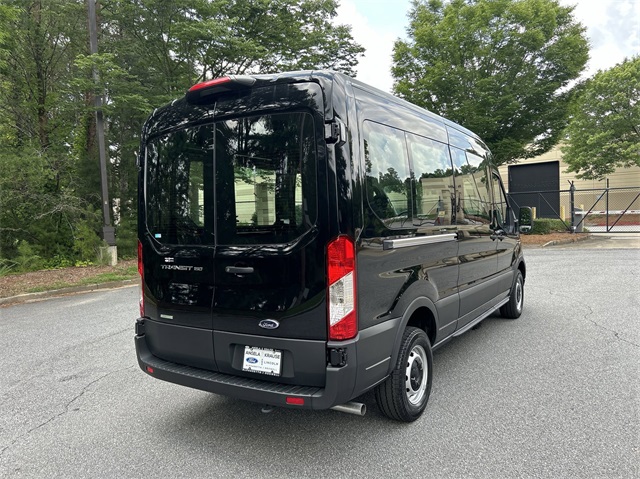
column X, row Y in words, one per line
column 519, row 296
column 416, row 375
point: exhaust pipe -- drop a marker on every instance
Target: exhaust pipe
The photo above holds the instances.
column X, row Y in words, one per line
column 356, row 408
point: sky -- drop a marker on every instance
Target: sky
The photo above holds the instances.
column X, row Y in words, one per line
column 613, row 28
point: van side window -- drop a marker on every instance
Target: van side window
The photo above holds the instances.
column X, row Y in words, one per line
column 473, row 205
column 388, row 176
column 433, row 172
column 501, row 212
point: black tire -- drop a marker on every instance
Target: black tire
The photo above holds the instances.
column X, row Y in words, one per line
column 404, row 394
column 513, row 309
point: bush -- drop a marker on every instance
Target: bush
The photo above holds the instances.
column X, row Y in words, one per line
column 27, row 258
column 58, row 261
column 543, row 226
column 6, row 266
column 127, row 236
column 86, row 244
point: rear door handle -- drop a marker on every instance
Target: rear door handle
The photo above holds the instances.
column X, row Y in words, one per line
column 239, row 269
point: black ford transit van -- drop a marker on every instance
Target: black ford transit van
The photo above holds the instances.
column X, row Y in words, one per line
column 304, row 238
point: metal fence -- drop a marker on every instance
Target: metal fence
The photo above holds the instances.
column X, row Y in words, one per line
column 604, row 210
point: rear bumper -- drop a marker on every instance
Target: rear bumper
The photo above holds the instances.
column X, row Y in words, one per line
column 338, row 387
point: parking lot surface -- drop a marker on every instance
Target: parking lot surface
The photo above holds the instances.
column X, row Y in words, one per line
column 552, row 394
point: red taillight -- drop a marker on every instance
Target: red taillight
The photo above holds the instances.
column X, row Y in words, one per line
column 149, row 369
column 210, row 83
column 295, row 401
column 341, row 291
column 141, row 273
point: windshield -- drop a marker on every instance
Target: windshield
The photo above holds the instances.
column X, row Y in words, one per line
column 240, row 181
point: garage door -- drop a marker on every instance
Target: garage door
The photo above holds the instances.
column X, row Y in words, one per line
column 536, row 185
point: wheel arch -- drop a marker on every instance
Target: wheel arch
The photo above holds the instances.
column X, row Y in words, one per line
column 421, row 313
column 523, row 269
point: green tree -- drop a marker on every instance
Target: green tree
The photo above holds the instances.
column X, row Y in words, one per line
column 38, row 113
column 604, row 132
column 153, row 50
column 150, row 51
column 501, row 68
column 278, row 35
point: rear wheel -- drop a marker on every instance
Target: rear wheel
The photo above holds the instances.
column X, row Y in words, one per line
column 404, row 394
column 513, row 309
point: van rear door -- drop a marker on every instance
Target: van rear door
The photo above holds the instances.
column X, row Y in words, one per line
column 232, row 237
column 269, row 258
column 269, row 296
column 177, row 245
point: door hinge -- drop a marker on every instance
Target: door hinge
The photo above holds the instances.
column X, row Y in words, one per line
column 337, row 357
column 140, row 329
column 335, row 132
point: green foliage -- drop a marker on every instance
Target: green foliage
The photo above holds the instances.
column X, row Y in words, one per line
column 543, row 226
column 8, row 14
column 38, row 114
column 127, row 236
column 58, row 261
column 499, row 67
column 150, row 52
column 87, row 243
column 6, row 267
column 27, row 258
column 282, row 35
column 604, row 133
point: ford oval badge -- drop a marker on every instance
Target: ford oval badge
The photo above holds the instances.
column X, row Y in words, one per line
column 252, row 360
column 269, row 324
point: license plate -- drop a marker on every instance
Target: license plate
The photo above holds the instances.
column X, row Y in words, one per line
column 262, row 360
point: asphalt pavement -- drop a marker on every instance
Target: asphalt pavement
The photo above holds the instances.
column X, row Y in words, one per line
column 552, row 394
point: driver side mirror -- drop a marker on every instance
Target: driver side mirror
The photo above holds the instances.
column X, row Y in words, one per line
column 525, row 219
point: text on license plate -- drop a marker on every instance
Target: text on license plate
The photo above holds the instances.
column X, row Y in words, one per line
column 261, row 360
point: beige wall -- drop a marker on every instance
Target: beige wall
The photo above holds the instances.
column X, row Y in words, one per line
column 621, row 178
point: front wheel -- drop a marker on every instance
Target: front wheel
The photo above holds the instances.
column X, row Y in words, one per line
column 404, row 394
column 513, row 309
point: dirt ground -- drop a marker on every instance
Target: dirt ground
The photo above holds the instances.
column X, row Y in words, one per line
column 15, row 284
column 540, row 240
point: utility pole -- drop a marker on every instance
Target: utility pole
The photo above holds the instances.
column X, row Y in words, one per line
column 108, row 231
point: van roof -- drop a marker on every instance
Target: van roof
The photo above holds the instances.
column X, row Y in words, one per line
column 327, row 79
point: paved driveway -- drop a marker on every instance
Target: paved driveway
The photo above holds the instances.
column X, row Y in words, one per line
column 553, row 394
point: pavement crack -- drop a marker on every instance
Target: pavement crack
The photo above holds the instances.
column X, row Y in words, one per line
column 616, row 334
column 106, row 336
column 85, row 389
column 66, row 407
column 38, row 365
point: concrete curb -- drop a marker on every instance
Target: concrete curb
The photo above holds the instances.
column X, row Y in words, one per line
column 85, row 288
column 567, row 241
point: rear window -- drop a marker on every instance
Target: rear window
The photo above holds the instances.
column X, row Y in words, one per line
column 240, row 181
